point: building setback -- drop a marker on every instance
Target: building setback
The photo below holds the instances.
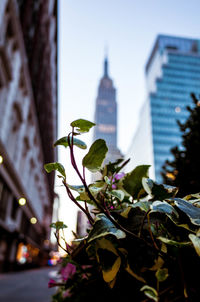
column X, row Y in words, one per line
column 28, row 127
column 106, row 115
column 172, row 74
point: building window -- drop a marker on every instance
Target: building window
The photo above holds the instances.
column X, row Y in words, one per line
column 177, row 109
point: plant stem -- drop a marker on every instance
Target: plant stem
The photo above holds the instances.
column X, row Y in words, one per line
column 150, row 232
column 78, row 205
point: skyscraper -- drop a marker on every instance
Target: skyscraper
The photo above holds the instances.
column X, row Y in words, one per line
column 106, row 115
column 28, row 127
column 172, row 73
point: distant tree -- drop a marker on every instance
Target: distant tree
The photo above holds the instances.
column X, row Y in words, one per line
column 184, row 170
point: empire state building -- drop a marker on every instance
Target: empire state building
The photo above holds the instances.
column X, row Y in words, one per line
column 106, row 115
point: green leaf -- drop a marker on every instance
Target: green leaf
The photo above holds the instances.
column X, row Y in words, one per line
column 96, row 187
column 158, row 191
column 196, row 242
column 164, row 207
column 109, row 271
column 64, row 142
column 173, row 242
column 143, row 205
column 118, row 194
column 103, row 227
column 55, row 166
column 58, row 225
column 79, row 189
column 189, row 209
column 82, row 125
column 132, row 182
column 150, row 292
column 96, row 155
column 162, row 274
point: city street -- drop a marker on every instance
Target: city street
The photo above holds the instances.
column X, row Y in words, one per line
column 27, row 286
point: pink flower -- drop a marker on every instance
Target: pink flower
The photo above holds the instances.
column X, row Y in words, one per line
column 68, row 271
column 114, row 186
column 51, row 283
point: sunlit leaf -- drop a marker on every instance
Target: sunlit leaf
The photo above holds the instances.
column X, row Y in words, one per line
column 82, row 125
column 189, row 209
column 102, row 227
column 196, row 243
column 150, row 292
column 94, row 158
column 55, row 166
column 64, row 142
column 132, row 182
column 58, row 225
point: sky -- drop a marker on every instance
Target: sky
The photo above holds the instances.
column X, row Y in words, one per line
column 128, row 29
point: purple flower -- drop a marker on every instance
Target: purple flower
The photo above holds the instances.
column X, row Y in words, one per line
column 114, row 186
column 119, row 175
column 51, row 283
column 68, row 271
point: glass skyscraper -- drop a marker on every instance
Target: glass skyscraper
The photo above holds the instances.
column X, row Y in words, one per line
column 106, row 115
column 172, row 74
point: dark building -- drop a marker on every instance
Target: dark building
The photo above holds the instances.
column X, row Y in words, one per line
column 28, row 128
column 106, row 115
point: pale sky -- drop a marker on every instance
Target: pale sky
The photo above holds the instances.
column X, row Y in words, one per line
column 129, row 29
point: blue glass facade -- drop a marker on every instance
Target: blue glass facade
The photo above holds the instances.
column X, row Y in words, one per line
column 173, row 73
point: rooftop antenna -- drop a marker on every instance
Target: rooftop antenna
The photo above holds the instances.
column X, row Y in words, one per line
column 106, row 61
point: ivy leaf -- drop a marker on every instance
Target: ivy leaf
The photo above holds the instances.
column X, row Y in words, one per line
column 118, row 194
column 189, row 209
column 58, row 225
column 143, row 205
column 79, row 189
column 158, row 191
column 109, row 268
column 196, row 242
column 82, row 125
column 103, row 227
column 55, row 166
column 173, row 242
column 150, row 292
column 132, row 182
column 64, row 142
column 164, row 207
column 96, row 155
column 162, row 274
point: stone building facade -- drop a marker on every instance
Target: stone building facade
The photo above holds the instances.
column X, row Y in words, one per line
column 28, row 127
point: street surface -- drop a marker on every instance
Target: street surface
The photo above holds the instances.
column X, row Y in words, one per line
column 27, row 286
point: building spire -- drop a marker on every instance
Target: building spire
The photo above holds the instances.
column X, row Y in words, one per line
column 106, row 62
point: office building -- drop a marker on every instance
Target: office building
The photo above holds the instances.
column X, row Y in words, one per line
column 106, row 115
column 28, row 127
column 172, row 74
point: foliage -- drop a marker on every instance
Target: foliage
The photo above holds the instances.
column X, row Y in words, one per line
column 143, row 242
column 183, row 170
